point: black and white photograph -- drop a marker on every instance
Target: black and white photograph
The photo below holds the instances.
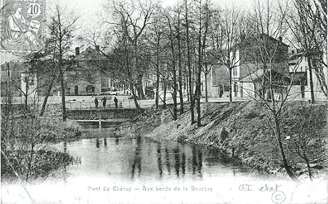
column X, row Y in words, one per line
column 164, row 101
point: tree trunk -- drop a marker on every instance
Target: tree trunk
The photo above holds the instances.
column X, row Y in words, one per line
column 174, row 73
column 180, row 67
column 62, row 92
column 282, row 152
column 164, row 91
column 134, row 96
column 206, row 91
column 199, row 70
column 230, row 83
column 157, row 75
column 311, row 79
column 307, row 165
column 26, row 94
column 44, row 104
column 139, row 87
column 189, row 66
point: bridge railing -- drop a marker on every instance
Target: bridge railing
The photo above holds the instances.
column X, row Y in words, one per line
column 80, row 105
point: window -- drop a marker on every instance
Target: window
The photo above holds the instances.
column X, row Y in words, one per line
column 235, row 87
column 235, row 72
column 90, row 89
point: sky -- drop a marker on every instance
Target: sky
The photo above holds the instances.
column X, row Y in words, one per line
column 90, row 11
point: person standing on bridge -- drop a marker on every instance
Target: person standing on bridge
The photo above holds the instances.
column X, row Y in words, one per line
column 96, row 102
column 116, row 102
column 104, row 101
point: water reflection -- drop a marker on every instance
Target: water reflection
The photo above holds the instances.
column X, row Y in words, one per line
column 194, row 162
column 197, row 161
column 176, row 152
column 159, row 160
column 105, row 141
column 183, row 160
column 141, row 157
column 137, row 158
column 97, row 143
column 167, row 158
column 200, row 163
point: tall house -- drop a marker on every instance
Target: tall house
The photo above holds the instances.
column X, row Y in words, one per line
column 258, row 58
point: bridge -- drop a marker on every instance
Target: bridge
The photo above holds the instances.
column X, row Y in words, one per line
column 102, row 117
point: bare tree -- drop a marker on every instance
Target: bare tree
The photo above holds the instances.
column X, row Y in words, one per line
column 305, row 139
column 225, row 38
column 173, row 65
column 178, row 30
column 308, row 26
column 131, row 20
column 271, row 75
column 190, row 84
column 61, row 36
column 203, row 25
column 157, row 42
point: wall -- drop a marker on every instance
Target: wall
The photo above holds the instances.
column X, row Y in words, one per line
column 102, row 114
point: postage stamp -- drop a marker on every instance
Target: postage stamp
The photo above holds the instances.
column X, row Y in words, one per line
column 22, row 22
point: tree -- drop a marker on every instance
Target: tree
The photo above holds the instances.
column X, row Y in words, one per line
column 60, row 39
column 131, row 22
column 304, row 138
column 191, row 98
column 173, row 65
column 157, row 42
column 180, row 70
column 225, row 39
column 271, row 72
column 308, row 25
column 202, row 37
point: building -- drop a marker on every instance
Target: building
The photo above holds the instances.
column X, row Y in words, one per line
column 299, row 71
column 17, row 80
column 84, row 74
column 251, row 68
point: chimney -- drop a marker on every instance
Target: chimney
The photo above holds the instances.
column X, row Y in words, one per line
column 280, row 39
column 97, row 48
column 77, row 51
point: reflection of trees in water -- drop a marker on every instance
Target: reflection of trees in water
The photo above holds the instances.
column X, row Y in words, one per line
column 97, row 143
column 105, row 141
column 167, row 158
column 159, row 160
column 117, row 140
column 137, row 158
column 194, row 162
column 197, row 160
column 183, row 162
column 200, row 162
column 176, row 152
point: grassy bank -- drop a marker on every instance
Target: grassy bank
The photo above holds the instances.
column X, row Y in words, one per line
column 24, row 140
column 244, row 130
column 16, row 164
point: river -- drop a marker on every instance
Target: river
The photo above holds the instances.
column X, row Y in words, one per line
column 129, row 158
column 140, row 170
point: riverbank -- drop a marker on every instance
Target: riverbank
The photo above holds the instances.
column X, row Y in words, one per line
column 25, row 137
column 243, row 131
